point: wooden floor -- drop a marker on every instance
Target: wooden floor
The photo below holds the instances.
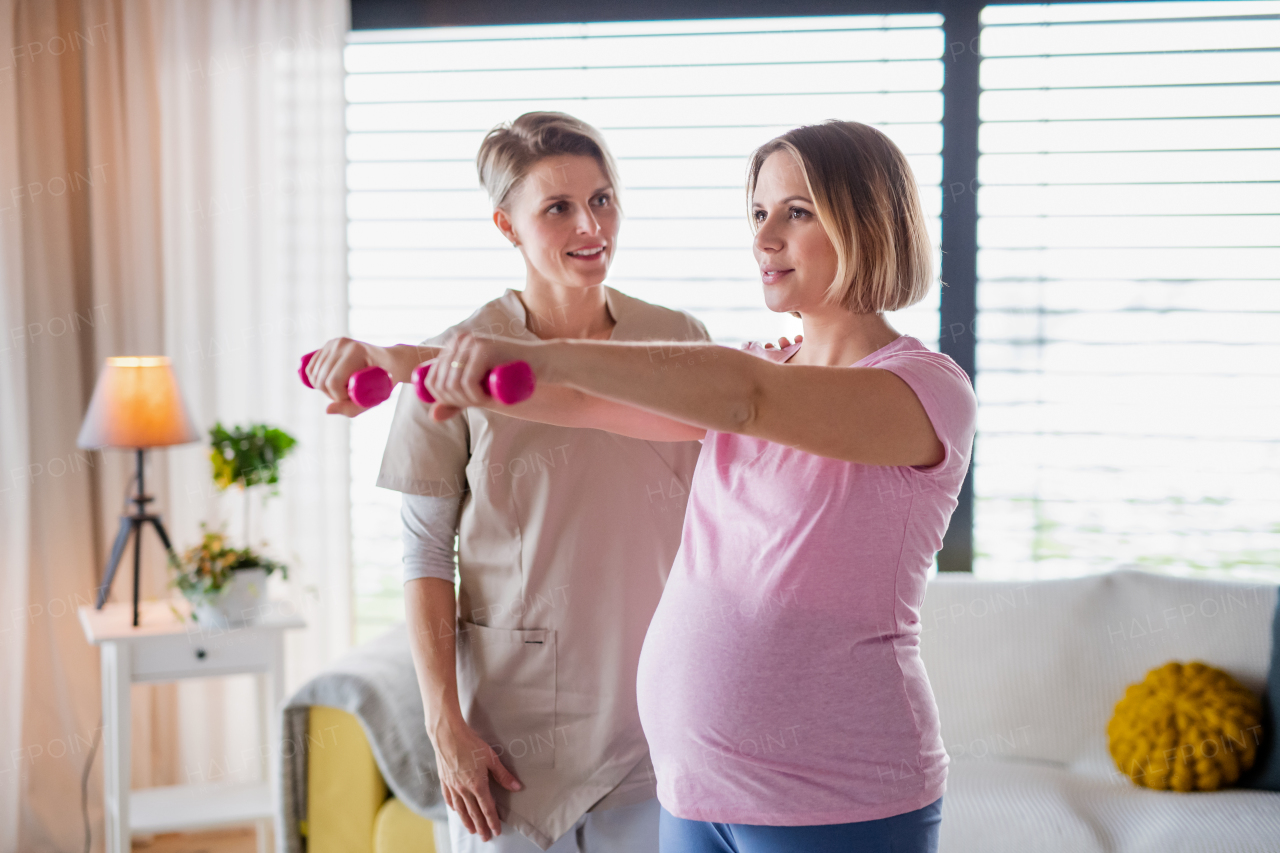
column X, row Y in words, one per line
column 214, row 841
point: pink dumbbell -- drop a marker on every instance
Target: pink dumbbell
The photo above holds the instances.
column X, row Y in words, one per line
column 366, row 388
column 509, row 383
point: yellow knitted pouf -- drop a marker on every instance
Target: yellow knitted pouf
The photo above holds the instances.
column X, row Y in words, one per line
column 1185, row 727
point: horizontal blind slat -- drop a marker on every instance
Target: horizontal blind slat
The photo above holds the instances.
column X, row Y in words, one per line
column 1129, row 294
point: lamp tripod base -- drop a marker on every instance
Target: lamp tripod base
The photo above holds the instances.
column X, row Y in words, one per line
column 131, row 525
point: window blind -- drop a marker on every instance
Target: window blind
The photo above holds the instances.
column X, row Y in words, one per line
column 682, row 104
column 1129, row 313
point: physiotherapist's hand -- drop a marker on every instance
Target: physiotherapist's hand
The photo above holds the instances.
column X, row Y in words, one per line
column 456, row 375
column 465, row 763
column 783, row 343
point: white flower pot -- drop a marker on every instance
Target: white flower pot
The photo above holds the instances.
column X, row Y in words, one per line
column 240, row 601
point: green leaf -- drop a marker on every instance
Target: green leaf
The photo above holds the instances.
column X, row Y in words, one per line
column 203, row 570
column 248, row 456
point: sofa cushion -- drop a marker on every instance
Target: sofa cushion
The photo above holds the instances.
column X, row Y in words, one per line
column 1033, row 669
column 344, row 788
column 397, row 829
column 1002, row 806
column 375, row 682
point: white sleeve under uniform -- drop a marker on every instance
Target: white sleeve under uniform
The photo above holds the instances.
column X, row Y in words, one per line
column 428, row 527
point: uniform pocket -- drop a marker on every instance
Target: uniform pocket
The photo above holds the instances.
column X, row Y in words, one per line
column 507, row 688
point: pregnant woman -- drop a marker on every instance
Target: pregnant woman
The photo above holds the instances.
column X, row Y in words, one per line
column 780, row 684
column 565, row 536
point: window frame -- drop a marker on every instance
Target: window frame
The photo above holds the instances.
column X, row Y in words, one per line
column 958, row 307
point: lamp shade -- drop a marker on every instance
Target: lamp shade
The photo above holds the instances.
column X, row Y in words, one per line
column 136, row 403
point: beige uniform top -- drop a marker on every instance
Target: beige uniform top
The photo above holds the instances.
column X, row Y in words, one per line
column 566, row 538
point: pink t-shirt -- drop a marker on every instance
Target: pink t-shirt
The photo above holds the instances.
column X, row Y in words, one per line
column 780, row 681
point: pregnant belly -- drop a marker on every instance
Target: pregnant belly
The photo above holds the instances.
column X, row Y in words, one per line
column 780, row 690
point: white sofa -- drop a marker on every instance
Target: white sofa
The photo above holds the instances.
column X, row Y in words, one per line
column 1026, row 676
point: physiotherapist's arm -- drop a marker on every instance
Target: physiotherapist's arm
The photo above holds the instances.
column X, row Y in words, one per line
column 855, row 414
column 463, row 759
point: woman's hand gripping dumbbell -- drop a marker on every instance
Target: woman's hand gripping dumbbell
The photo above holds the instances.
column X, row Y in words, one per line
column 369, row 383
column 507, row 383
column 474, row 370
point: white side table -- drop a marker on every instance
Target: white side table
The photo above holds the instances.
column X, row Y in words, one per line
column 165, row 648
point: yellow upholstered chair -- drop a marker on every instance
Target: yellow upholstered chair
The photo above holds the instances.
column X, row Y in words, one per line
column 348, row 806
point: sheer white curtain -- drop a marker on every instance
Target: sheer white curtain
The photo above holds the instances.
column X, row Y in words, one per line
column 252, row 141
column 177, row 175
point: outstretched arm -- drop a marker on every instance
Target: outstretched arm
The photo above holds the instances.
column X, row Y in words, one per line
column 862, row 415
column 334, row 363
column 571, row 407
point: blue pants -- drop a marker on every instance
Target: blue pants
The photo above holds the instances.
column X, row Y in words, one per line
column 913, row 832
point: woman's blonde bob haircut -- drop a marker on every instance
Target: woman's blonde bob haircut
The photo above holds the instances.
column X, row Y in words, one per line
column 866, row 199
column 511, row 149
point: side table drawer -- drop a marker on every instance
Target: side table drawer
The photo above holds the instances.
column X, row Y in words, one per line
column 199, row 654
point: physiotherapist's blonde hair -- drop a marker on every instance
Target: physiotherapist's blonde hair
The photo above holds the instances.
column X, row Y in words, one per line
column 511, row 149
column 866, row 198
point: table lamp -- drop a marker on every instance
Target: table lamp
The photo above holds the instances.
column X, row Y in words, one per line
column 136, row 404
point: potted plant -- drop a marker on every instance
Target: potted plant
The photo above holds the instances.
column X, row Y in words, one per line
column 226, row 585
column 248, row 456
